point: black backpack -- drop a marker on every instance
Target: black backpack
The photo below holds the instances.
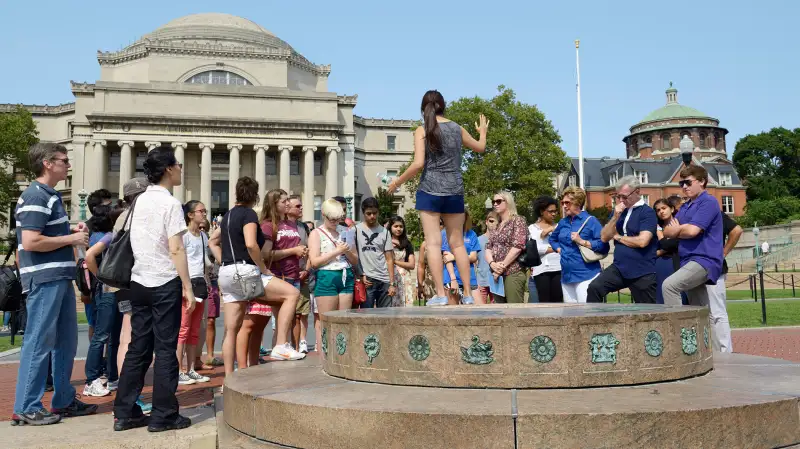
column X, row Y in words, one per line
column 10, row 285
column 84, row 279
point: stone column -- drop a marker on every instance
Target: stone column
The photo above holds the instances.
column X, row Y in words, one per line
column 308, row 183
column 261, row 171
column 332, row 172
column 233, row 172
column 127, row 168
column 284, row 177
column 205, row 174
column 101, row 163
column 179, row 191
column 152, row 145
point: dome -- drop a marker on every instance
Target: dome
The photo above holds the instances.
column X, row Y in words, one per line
column 214, row 19
column 673, row 110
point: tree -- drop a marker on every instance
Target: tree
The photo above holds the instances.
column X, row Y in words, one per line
column 601, row 213
column 385, row 205
column 770, row 212
column 17, row 133
column 413, row 227
column 769, row 163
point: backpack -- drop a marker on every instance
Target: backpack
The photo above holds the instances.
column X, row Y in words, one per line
column 84, row 279
column 10, row 285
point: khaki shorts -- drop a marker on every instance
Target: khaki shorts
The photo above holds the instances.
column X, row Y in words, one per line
column 304, row 304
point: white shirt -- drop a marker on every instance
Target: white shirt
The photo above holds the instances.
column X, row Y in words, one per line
column 628, row 216
column 195, row 247
column 550, row 262
column 156, row 217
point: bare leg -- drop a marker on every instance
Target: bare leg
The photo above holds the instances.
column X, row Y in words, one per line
column 303, row 327
column 243, row 341
column 179, row 353
column 124, row 340
column 454, row 225
column 256, row 335
column 296, row 331
column 234, row 315
column 284, row 296
column 317, row 332
column 433, row 244
column 191, row 352
column 211, row 334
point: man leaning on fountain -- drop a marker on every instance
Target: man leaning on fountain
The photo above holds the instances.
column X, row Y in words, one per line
column 698, row 226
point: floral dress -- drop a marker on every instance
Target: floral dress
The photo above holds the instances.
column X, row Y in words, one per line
column 428, row 286
column 405, row 281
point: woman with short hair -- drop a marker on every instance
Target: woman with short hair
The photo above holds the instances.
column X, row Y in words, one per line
column 545, row 278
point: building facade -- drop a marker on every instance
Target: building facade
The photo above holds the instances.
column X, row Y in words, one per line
column 233, row 100
column 653, row 155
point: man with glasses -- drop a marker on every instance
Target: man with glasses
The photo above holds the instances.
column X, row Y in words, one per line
column 698, row 226
column 632, row 226
column 47, row 270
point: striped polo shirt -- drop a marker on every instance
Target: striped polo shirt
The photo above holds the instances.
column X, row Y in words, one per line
column 39, row 208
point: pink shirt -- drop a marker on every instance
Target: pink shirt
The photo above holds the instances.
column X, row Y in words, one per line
column 287, row 237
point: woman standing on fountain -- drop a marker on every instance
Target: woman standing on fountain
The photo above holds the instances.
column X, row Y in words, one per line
column 437, row 152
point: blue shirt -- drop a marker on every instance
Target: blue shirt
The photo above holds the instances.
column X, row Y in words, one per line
column 637, row 262
column 484, row 272
column 39, row 208
column 470, row 244
column 573, row 268
column 706, row 248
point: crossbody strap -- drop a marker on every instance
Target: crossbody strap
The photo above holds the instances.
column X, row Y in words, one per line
column 334, row 244
column 230, row 242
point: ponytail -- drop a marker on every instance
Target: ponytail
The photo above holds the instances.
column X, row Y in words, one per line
column 432, row 106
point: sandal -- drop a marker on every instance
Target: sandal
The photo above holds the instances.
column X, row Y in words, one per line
column 216, row 361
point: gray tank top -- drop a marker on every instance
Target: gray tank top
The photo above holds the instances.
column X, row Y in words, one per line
column 441, row 175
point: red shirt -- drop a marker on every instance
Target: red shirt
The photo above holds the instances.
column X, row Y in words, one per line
column 287, row 237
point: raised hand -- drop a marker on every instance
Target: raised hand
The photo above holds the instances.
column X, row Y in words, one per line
column 483, row 125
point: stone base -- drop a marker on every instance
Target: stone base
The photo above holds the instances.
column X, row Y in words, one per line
column 746, row 401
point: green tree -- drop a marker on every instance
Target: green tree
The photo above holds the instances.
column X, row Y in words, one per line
column 769, row 163
column 385, row 205
column 601, row 213
column 413, row 227
column 17, row 133
column 769, row 212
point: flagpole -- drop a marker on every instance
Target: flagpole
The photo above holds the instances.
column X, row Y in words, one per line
column 580, row 130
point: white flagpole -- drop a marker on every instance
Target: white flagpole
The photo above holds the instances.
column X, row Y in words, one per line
column 580, row 131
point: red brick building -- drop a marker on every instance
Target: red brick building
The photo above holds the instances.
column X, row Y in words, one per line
column 653, row 155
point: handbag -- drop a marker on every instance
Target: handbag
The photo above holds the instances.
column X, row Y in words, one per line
column 247, row 286
column 199, row 285
column 359, row 289
column 115, row 269
column 589, row 255
column 529, row 257
column 10, row 285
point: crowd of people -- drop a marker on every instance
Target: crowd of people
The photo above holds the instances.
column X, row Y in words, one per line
column 255, row 269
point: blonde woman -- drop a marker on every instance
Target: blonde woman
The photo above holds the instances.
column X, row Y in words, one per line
column 504, row 247
column 577, row 228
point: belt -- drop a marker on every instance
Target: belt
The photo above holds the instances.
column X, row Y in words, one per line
column 224, row 264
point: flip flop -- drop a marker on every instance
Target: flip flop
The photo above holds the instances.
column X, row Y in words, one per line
column 216, row 361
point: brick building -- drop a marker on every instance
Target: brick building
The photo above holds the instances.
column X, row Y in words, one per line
column 653, row 155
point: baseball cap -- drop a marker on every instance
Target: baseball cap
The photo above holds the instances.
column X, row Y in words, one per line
column 135, row 186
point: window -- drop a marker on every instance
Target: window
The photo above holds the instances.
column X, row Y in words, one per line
column 613, row 178
column 703, row 140
column 113, row 161
column 646, row 199
column 318, row 163
column 271, row 164
column 727, row 205
column 219, row 77
column 294, row 164
column 648, row 139
column 665, row 145
column 220, row 158
column 572, row 180
column 725, row 179
column 391, row 142
column 317, row 208
column 391, row 174
column 641, row 176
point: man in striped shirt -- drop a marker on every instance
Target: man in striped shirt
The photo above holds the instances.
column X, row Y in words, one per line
column 47, row 270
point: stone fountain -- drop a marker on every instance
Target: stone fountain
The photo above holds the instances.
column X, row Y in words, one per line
column 517, row 376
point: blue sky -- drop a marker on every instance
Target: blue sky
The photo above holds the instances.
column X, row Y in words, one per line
column 735, row 60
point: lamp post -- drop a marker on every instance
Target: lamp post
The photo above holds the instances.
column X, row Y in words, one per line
column 760, row 269
column 488, row 204
column 687, row 149
column 349, row 201
column 82, row 204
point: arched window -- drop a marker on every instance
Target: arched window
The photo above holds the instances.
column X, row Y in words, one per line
column 702, row 140
column 219, row 77
column 665, row 145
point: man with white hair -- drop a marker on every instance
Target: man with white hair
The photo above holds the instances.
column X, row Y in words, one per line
column 632, row 226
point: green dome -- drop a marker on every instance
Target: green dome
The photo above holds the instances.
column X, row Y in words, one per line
column 673, row 110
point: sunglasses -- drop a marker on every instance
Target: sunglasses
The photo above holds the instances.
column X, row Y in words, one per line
column 65, row 160
column 566, row 203
column 497, row 202
column 686, row 182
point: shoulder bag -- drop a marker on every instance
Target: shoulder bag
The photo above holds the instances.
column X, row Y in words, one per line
column 248, row 286
column 589, row 255
column 529, row 257
column 10, row 285
column 115, row 269
column 359, row 289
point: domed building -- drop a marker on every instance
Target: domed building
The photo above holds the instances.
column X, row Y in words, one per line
column 653, row 155
column 233, row 100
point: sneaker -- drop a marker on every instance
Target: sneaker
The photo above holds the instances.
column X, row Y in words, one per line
column 130, row 423
column 184, row 379
column 112, row 385
column 303, row 347
column 5, row 329
column 181, row 422
column 96, row 389
column 76, row 408
column 198, row 378
column 467, row 300
column 40, row 417
column 262, row 351
column 437, row 301
column 286, row 352
column 145, row 406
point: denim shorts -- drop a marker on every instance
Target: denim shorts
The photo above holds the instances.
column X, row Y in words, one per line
column 449, row 204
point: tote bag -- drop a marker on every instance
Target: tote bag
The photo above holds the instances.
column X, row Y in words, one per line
column 115, row 269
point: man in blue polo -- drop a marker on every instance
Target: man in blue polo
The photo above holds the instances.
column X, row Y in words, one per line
column 632, row 226
column 47, row 270
column 698, row 226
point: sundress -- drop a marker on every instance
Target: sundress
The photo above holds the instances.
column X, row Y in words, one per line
column 405, row 283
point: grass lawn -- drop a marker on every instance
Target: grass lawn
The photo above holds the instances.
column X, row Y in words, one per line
column 5, row 343
column 768, row 293
column 82, row 318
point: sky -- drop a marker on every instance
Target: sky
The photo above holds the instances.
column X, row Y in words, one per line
column 735, row 60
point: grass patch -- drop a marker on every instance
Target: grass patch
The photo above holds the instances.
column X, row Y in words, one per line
column 5, row 343
column 768, row 293
column 779, row 313
column 82, row 318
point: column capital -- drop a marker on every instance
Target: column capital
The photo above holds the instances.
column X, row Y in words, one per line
column 129, row 143
column 330, row 149
column 151, row 145
column 234, row 146
column 179, row 144
column 204, row 145
column 261, row 146
column 309, row 148
column 285, row 148
column 100, row 142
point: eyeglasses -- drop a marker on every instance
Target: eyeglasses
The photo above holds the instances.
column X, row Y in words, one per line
column 178, row 164
column 201, row 211
column 686, row 182
column 566, row 203
column 491, row 221
column 65, row 160
column 625, row 197
column 498, row 202
column 551, row 211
